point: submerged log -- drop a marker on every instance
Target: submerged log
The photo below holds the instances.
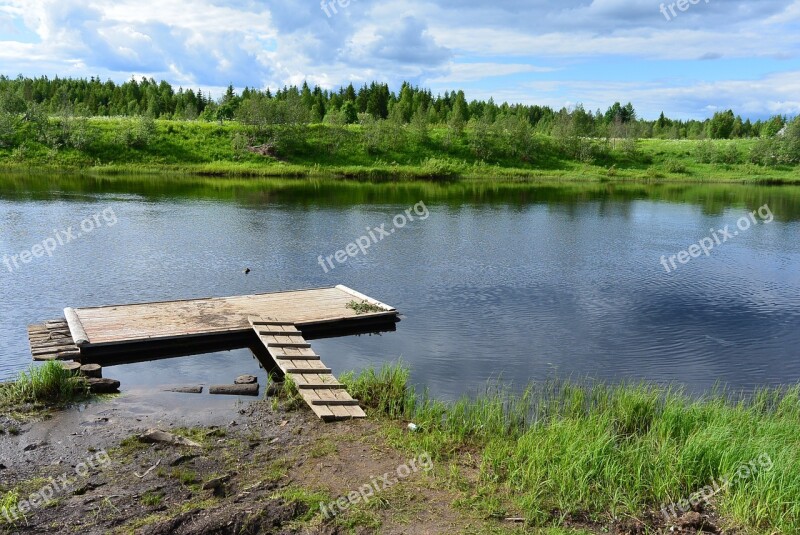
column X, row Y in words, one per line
column 185, row 389
column 246, row 380
column 234, row 390
column 103, row 386
column 73, row 367
column 92, row 370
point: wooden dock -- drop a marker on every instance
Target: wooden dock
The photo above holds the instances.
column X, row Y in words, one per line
column 52, row 341
column 108, row 334
column 315, row 382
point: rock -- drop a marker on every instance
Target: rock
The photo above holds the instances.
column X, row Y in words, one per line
column 185, row 389
column 31, row 447
column 2, row 466
column 180, row 459
column 73, row 367
column 152, row 436
column 217, row 482
column 92, row 370
column 246, row 380
column 234, row 390
column 103, row 386
column 690, row 520
column 274, row 389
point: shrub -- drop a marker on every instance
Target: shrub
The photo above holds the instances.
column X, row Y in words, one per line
column 440, row 168
column 140, row 134
column 673, row 165
column 706, row 152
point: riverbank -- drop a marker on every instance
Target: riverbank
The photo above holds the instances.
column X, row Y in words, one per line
column 105, row 146
column 559, row 459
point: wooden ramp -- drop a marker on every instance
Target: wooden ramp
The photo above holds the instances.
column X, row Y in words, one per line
column 318, row 387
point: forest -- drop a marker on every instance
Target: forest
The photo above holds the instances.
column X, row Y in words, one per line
column 81, row 123
column 160, row 100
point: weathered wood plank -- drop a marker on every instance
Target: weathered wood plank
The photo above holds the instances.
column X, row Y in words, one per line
column 175, row 319
column 289, row 369
column 295, row 357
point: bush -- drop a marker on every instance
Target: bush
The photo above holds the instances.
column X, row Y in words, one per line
column 706, row 152
column 141, row 133
column 8, row 128
column 728, row 155
column 440, row 168
column 79, row 133
column 674, row 165
column 763, row 152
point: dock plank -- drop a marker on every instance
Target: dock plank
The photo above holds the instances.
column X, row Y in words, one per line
column 52, row 341
column 174, row 319
column 321, row 391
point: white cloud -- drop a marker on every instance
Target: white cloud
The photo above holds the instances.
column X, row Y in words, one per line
column 537, row 51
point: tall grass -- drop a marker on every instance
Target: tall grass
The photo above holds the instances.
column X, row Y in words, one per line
column 8, row 506
column 48, row 384
column 562, row 450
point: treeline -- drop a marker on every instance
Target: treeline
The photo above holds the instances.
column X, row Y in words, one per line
column 146, row 97
column 364, row 125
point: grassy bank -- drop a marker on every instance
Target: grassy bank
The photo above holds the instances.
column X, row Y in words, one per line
column 563, row 453
column 140, row 146
column 558, row 459
column 46, row 385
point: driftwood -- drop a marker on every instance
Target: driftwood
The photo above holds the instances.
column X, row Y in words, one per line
column 185, row 389
column 152, row 436
column 234, row 390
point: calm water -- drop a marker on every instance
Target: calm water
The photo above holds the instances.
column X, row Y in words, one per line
column 518, row 282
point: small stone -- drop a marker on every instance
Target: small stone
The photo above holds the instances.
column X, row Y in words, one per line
column 92, row 370
column 2, row 466
column 246, row 380
column 30, row 447
column 274, row 389
column 217, row 482
column 690, row 520
column 180, row 459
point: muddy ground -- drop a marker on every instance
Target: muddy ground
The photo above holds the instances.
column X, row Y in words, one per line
column 259, row 468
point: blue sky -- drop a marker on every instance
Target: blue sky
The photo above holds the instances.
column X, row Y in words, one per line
column 715, row 54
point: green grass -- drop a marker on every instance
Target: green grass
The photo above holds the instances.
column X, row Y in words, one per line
column 152, row 498
column 8, row 506
column 49, row 384
column 560, row 451
column 363, row 307
column 211, row 149
column 385, row 391
column 185, row 477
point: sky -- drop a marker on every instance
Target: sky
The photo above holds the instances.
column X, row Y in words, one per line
column 712, row 55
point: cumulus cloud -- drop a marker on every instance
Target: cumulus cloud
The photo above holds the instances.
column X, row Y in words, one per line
column 734, row 53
